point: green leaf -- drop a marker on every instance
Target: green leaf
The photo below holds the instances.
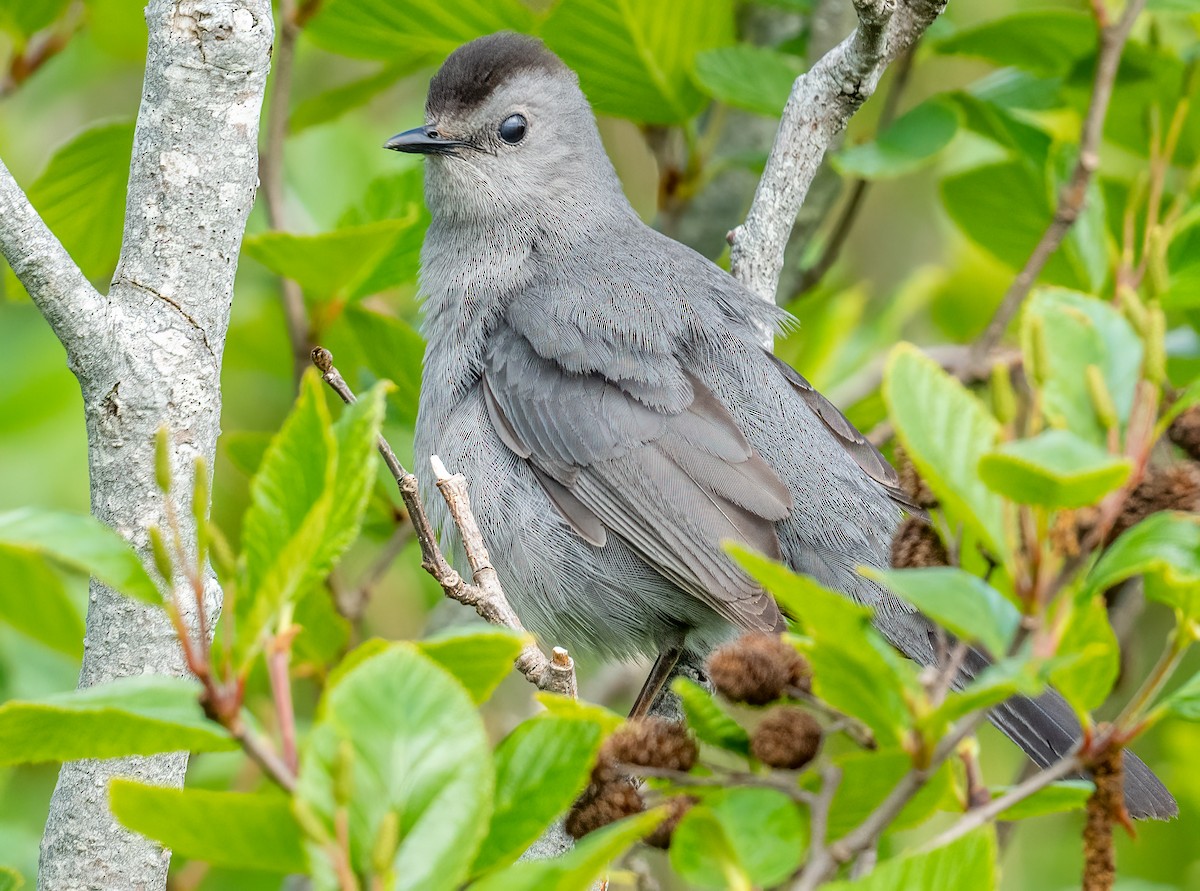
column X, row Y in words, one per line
column 81, row 195
column 332, row 104
column 1089, row 657
column 479, row 657
column 540, row 769
column 347, row 263
column 635, row 59
column 229, row 829
column 1055, row 469
column 1005, row 208
column 909, row 143
column 1185, row 702
column 130, row 716
column 868, row 778
column 945, row 431
column 568, row 707
column 709, row 721
column 306, row 503
column 1023, row 141
column 998, row 682
column 324, row 632
column 578, row 867
column 854, row 670
column 398, row 739
column 393, row 350
column 967, row 862
column 11, row 880
column 1046, row 42
column 1080, row 330
column 758, row 834
column 426, row 29
column 1057, row 798
column 750, row 77
column 34, row 601
column 963, row 604
column 81, row 543
column 1164, row 547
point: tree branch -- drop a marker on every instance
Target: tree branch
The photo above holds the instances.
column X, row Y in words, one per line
column 1074, row 195
column 54, row 282
column 485, row 595
column 821, row 103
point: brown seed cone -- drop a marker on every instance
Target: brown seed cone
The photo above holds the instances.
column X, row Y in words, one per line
column 911, row 482
column 661, row 836
column 788, row 737
column 1173, row 487
column 649, row 742
column 1106, row 805
column 917, row 544
column 758, row 668
column 601, row 805
column 1185, row 432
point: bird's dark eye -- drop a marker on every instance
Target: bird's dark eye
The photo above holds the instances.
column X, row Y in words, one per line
column 512, row 128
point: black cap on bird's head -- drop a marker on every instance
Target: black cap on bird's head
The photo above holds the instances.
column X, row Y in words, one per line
column 467, row 79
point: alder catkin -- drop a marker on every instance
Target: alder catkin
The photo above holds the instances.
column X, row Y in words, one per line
column 758, row 668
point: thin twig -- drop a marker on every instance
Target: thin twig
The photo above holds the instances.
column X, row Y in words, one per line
column 722, row 780
column 820, row 862
column 283, row 59
column 1112, row 39
column 485, row 596
column 848, row 724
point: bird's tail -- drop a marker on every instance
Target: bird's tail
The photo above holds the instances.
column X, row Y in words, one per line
column 1046, row 729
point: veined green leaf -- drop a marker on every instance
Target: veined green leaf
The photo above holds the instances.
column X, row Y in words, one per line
column 479, row 657
column 394, row 350
column 967, row 862
column 910, row 142
column 708, row 720
column 1065, row 795
column 1089, row 657
column 750, row 77
column 1055, row 469
column 1165, row 547
column 34, row 601
column 229, row 829
column 1044, row 41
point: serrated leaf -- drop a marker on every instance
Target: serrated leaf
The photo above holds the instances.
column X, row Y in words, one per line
column 1089, row 657
column 1166, row 546
column 1080, row 330
column 1044, row 41
column 394, row 350
column 854, row 670
column 479, row 657
column 635, row 59
column 1057, row 798
column 967, row 862
column 868, row 777
column 347, row 263
column 398, row 735
column 130, row 716
column 578, row 867
column 909, row 143
column 80, row 543
column 708, row 720
column 426, row 29
column 1055, row 469
column 945, row 431
column 540, row 769
column 960, row 602
column 567, row 707
column 81, row 195
column 1024, row 142
column 230, row 829
column 759, row 834
column 34, row 601
column 751, row 77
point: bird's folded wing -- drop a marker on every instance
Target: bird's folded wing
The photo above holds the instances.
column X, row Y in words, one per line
column 673, row 482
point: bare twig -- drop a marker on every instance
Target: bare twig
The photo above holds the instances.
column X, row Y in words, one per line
column 1071, row 200
column 821, row 103
column 485, row 595
column 820, row 863
column 294, row 312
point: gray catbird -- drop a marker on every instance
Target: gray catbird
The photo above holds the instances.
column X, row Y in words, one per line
column 604, row 391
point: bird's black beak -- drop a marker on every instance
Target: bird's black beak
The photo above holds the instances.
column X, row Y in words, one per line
column 423, row 141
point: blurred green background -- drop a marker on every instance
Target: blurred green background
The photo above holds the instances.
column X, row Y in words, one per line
column 955, row 195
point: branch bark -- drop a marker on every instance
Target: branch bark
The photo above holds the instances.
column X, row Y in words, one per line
column 821, row 104
column 149, row 354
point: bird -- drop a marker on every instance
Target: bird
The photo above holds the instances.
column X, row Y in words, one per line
column 606, row 393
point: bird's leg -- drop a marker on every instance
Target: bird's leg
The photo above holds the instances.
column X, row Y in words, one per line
column 668, row 658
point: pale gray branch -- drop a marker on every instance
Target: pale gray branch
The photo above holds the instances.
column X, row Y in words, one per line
column 821, row 103
column 42, row 265
column 147, row 356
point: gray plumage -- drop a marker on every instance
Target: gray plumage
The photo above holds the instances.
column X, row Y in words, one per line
column 603, row 389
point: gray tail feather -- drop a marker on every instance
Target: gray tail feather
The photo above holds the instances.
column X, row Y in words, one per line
column 1046, row 729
